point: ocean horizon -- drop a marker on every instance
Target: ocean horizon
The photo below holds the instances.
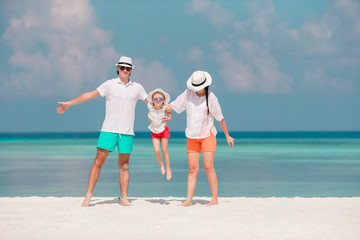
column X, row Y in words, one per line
column 177, row 134
column 261, row 164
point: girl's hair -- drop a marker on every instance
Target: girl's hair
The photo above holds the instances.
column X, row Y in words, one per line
column 156, row 93
column 207, row 98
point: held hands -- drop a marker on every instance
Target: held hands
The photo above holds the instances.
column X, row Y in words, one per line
column 63, row 107
column 230, row 141
column 167, row 117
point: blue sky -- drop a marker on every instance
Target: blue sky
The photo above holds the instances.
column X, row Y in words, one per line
column 277, row 65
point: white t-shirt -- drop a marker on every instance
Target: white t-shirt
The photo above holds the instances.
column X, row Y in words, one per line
column 156, row 116
column 120, row 105
column 199, row 123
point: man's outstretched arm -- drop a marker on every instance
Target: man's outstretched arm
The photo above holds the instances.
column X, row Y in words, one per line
column 80, row 99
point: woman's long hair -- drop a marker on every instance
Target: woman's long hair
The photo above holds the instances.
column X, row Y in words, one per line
column 207, row 97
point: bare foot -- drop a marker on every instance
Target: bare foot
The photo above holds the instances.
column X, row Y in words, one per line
column 168, row 173
column 125, row 202
column 162, row 169
column 87, row 200
column 213, row 202
column 187, row 203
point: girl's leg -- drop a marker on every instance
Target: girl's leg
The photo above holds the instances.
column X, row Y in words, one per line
column 211, row 175
column 156, row 143
column 164, row 145
column 193, row 161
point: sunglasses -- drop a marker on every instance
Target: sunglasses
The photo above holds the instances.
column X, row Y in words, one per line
column 122, row 68
column 158, row 99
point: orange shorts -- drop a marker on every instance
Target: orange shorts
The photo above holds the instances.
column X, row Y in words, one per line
column 206, row 144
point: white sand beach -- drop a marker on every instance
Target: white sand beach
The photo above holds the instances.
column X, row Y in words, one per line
column 162, row 218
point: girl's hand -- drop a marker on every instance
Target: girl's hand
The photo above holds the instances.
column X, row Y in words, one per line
column 230, row 141
column 168, row 108
column 167, row 117
column 63, row 107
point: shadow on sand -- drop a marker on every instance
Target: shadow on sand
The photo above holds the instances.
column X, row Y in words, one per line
column 167, row 201
column 152, row 200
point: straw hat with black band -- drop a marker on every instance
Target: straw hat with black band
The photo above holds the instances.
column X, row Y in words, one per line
column 199, row 80
column 125, row 61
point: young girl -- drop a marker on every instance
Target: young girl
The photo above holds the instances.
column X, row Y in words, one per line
column 158, row 100
column 201, row 107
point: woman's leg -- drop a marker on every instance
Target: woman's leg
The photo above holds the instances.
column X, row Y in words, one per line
column 193, row 161
column 211, row 175
column 164, row 148
column 156, row 144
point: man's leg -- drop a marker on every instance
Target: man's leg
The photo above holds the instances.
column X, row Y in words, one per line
column 94, row 174
column 124, row 177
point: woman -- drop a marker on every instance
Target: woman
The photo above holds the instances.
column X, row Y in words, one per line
column 201, row 107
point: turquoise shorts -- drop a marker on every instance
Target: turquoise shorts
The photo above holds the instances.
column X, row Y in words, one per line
column 109, row 141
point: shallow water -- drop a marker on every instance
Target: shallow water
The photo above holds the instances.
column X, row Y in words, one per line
column 259, row 165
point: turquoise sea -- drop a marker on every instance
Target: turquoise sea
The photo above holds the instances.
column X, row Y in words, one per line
column 261, row 164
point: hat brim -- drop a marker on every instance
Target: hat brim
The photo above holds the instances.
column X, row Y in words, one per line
column 202, row 86
column 150, row 94
column 125, row 65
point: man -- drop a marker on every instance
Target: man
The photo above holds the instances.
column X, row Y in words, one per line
column 117, row 131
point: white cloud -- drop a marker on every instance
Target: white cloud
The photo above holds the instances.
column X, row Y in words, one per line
column 248, row 64
column 252, row 70
column 332, row 50
column 192, row 56
column 318, row 30
column 57, row 48
column 154, row 75
column 264, row 54
column 262, row 13
column 294, row 33
column 350, row 12
column 316, row 79
column 213, row 12
column 238, row 76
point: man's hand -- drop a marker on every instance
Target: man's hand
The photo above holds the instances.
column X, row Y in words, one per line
column 80, row 99
column 63, row 107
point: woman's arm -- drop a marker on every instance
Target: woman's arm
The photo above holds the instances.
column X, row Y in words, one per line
column 80, row 99
column 168, row 108
column 229, row 139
